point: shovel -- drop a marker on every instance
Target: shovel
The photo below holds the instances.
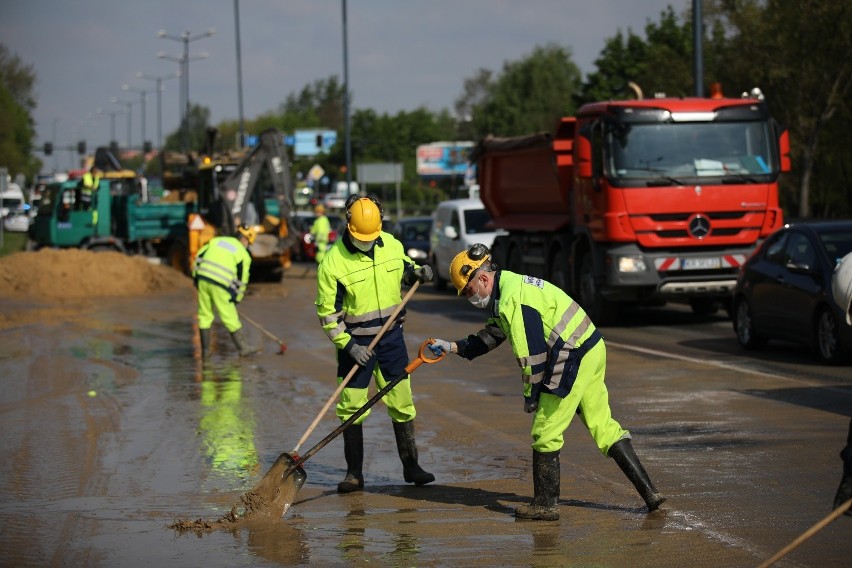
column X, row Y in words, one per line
column 279, row 486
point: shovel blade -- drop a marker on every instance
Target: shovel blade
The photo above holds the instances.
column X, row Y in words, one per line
column 276, row 492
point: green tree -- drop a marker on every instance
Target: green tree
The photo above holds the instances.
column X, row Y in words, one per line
column 527, row 96
column 797, row 53
column 17, row 102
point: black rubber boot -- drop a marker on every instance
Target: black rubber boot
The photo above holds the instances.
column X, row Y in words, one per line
column 411, row 470
column 623, row 454
column 353, row 451
column 242, row 344
column 205, row 343
column 546, row 477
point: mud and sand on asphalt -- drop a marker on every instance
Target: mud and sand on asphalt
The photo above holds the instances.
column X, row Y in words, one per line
column 113, row 431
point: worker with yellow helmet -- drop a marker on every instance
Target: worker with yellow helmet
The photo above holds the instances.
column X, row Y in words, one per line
column 358, row 288
column 221, row 275
column 320, row 229
column 563, row 365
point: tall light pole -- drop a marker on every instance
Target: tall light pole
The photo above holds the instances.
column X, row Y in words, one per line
column 239, row 74
column 186, row 38
column 346, row 136
column 129, row 105
column 126, row 87
column 159, row 81
column 55, row 147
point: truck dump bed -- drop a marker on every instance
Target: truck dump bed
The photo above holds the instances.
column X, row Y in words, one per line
column 520, row 183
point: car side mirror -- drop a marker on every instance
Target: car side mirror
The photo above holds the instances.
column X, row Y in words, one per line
column 451, row 233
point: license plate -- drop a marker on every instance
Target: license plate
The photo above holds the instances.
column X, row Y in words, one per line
column 701, row 263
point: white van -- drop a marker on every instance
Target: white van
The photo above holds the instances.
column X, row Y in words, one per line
column 11, row 200
column 457, row 224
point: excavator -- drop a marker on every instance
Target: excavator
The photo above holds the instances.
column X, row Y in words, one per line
column 236, row 188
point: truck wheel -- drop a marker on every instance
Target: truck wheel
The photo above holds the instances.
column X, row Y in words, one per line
column 599, row 309
column 559, row 272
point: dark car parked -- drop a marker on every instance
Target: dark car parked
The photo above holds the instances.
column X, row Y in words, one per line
column 783, row 290
column 413, row 233
column 305, row 248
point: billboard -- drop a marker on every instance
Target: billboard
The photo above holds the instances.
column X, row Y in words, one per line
column 443, row 158
column 313, row 142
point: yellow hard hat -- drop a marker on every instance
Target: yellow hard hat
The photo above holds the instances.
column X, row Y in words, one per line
column 364, row 219
column 466, row 263
column 248, row 232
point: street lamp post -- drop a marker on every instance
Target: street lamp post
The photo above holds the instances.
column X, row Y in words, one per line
column 159, row 81
column 186, row 38
column 126, row 87
column 129, row 105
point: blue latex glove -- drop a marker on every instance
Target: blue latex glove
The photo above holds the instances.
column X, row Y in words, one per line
column 441, row 346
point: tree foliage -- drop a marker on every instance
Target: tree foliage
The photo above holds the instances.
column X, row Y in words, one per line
column 17, row 101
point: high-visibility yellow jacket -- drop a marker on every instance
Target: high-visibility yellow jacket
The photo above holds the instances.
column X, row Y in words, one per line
column 224, row 261
column 356, row 291
column 548, row 330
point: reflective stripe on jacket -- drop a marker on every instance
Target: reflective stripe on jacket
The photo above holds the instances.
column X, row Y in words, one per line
column 224, row 261
column 548, row 330
column 357, row 292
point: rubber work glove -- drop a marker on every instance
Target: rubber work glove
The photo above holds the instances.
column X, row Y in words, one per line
column 424, row 273
column 360, row 353
column 530, row 405
column 442, row 346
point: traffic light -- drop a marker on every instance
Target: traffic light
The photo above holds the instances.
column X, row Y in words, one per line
column 319, row 140
column 81, row 147
column 48, row 148
column 146, row 147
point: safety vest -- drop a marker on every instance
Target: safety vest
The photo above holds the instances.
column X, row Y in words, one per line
column 224, row 261
column 319, row 230
column 357, row 292
column 548, row 330
column 90, row 182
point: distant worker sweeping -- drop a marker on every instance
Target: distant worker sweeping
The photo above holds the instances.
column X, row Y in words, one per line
column 221, row 275
column 563, row 365
column 319, row 231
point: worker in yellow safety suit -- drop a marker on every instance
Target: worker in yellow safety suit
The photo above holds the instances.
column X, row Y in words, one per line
column 87, row 187
column 358, row 288
column 563, row 364
column 319, row 231
column 221, row 275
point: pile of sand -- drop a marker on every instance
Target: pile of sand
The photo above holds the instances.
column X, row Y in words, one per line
column 74, row 273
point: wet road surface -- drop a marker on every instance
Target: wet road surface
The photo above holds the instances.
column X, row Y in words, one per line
column 112, row 431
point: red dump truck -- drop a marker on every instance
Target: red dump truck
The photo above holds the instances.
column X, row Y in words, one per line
column 638, row 202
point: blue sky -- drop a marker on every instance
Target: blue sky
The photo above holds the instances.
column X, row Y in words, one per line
column 403, row 54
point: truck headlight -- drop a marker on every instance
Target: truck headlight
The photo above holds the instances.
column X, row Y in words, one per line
column 631, row 264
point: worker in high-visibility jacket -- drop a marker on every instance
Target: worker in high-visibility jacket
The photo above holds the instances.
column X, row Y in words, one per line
column 86, row 188
column 841, row 288
column 320, row 229
column 358, row 288
column 563, row 364
column 221, row 275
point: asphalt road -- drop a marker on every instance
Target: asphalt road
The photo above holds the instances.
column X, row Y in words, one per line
column 112, row 431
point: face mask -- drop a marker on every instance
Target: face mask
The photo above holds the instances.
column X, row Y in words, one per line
column 363, row 246
column 479, row 301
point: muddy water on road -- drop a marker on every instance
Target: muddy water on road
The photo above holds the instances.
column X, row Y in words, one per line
column 112, row 432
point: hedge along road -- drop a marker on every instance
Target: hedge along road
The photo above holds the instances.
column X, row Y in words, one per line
column 112, row 432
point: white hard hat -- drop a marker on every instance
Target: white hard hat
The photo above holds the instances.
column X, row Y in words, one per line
column 841, row 285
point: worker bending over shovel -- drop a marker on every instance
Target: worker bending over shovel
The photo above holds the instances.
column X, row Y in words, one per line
column 358, row 288
column 563, row 363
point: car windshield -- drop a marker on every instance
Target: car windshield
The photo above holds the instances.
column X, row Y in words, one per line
column 475, row 221
column 415, row 230
column 837, row 243
column 741, row 151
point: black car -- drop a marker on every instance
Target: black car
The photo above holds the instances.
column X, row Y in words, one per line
column 783, row 290
column 414, row 233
